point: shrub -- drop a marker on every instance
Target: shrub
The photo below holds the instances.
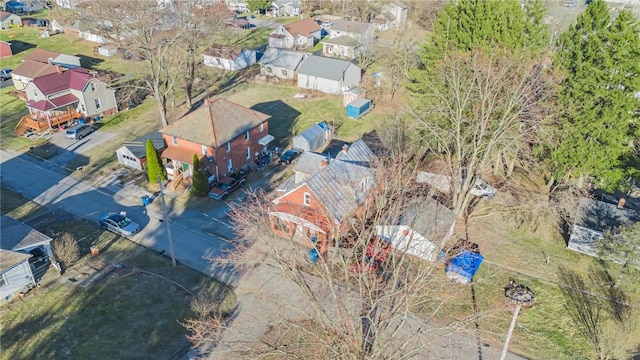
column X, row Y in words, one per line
column 66, row 249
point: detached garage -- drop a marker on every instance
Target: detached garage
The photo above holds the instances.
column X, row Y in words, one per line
column 312, row 138
column 134, row 154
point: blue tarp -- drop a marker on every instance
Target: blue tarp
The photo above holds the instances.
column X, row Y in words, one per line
column 465, row 264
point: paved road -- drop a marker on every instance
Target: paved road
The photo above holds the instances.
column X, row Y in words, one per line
column 46, row 184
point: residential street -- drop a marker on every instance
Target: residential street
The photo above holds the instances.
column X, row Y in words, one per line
column 193, row 238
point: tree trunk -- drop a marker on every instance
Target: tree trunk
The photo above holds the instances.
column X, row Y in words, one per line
column 162, row 109
column 623, row 272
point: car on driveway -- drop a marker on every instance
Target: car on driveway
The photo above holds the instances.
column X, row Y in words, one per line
column 226, row 186
column 119, row 224
column 289, row 155
column 5, row 74
column 79, row 131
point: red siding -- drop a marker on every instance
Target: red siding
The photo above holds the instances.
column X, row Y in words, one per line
column 5, row 49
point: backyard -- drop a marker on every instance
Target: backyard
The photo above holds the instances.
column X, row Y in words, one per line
column 96, row 309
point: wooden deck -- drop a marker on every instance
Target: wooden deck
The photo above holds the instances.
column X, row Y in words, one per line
column 28, row 123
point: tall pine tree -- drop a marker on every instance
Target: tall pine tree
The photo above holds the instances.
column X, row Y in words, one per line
column 154, row 165
column 200, row 184
column 599, row 111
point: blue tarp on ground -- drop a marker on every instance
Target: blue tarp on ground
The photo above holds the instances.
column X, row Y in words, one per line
column 465, row 265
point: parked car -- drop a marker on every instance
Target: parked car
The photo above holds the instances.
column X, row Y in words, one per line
column 226, row 186
column 289, row 155
column 5, row 74
column 119, row 224
column 79, row 131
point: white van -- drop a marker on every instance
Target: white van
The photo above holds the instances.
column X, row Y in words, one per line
column 79, row 131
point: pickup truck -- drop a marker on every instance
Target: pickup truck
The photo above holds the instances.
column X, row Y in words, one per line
column 226, row 186
column 442, row 183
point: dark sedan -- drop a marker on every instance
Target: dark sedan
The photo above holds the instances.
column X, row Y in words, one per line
column 289, row 155
column 226, row 186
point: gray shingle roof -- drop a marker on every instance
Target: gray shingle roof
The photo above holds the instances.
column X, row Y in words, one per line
column 343, row 40
column 230, row 121
column 324, row 67
column 600, row 216
column 350, row 26
column 428, row 218
column 9, row 259
column 309, row 163
column 289, row 60
column 138, row 147
column 16, row 235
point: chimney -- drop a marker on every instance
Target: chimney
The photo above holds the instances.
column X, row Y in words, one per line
column 207, row 102
column 345, row 148
column 621, row 202
column 59, row 68
column 324, row 162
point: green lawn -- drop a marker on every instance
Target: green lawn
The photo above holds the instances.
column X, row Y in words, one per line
column 127, row 314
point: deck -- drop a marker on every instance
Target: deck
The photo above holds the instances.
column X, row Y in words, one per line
column 29, row 123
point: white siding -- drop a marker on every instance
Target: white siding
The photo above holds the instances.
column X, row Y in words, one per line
column 16, row 279
column 126, row 158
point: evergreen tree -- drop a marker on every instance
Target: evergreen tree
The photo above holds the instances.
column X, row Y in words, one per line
column 468, row 24
column 257, row 5
column 200, row 184
column 154, row 165
column 602, row 69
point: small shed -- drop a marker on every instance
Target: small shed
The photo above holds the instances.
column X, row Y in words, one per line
column 134, row 154
column 107, row 50
column 312, row 138
column 464, row 266
column 358, row 108
column 352, row 93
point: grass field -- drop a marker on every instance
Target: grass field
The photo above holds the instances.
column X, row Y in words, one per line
column 131, row 312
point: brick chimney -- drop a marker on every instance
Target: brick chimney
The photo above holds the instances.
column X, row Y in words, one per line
column 324, row 162
column 345, row 148
column 207, row 102
column 621, row 202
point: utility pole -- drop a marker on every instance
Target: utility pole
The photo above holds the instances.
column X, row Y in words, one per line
column 166, row 220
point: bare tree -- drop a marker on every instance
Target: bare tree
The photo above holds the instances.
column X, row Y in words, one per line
column 364, row 11
column 397, row 63
column 199, row 25
column 361, row 299
column 145, row 31
column 476, row 108
column 66, row 249
column 423, row 13
column 622, row 245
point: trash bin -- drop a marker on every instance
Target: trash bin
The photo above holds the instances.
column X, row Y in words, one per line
column 94, row 251
column 313, row 255
column 145, row 200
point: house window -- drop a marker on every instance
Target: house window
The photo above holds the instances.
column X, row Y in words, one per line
column 82, row 108
column 93, row 87
column 230, row 166
column 174, row 141
column 248, row 152
column 246, row 135
column 307, row 199
column 229, row 147
column 98, row 104
column 204, row 149
column 284, row 72
column 262, row 127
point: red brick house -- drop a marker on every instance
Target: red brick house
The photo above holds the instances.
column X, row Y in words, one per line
column 226, row 136
column 323, row 194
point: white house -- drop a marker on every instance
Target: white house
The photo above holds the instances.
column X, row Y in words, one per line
column 298, row 35
column 347, row 38
column 393, row 15
column 25, row 255
column 328, row 75
column 281, row 63
column 422, row 230
column 285, row 8
column 228, row 57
